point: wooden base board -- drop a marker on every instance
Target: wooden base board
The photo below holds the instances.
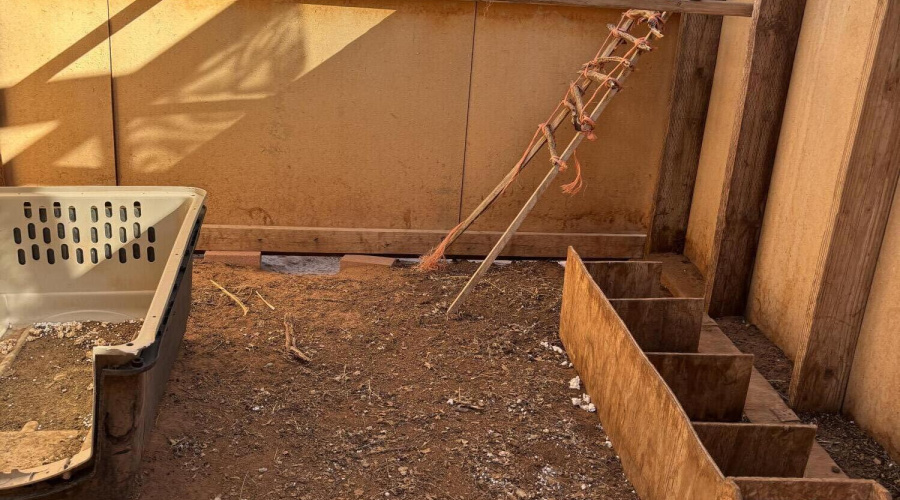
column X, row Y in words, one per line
column 325, row 240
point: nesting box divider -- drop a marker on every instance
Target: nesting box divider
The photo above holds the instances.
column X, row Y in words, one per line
column 671, row 412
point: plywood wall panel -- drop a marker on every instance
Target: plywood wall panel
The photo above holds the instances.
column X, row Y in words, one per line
column 525, row 56
column 55, row 100
column 325, row 114
column 873, row 393
column 815, row 137
column 720, row 125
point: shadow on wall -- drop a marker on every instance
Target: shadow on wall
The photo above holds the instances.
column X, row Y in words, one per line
column 206, row 93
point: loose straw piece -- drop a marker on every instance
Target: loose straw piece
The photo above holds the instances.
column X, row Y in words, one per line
column 266, row 302
column 232, row 297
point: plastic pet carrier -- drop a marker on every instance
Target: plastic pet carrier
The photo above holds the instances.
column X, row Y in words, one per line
column 110, row 255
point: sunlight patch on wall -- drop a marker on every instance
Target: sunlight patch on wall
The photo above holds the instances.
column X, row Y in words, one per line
column 14, row 140
column 155, row 144
column 88, row 154
column 34, row 39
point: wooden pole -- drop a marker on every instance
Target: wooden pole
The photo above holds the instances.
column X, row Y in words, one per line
column 554, row 171
column 695, row 65
column 774, row 33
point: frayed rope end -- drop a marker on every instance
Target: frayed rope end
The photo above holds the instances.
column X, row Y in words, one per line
column 434, row 259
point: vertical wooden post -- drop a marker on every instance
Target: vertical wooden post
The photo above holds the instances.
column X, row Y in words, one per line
column 865, row 193
column 774, row 32
column 695, row 65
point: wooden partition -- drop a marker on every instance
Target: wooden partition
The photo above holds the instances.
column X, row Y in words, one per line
column 659, row 409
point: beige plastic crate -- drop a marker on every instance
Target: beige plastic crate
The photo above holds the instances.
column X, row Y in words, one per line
column 101, row 254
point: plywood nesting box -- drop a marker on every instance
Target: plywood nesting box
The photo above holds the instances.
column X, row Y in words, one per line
column 101, row 254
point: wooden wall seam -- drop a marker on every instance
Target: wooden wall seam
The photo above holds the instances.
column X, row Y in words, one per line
column 698, row 47
column 850, row 253
column 774, row 33
column 462, row 179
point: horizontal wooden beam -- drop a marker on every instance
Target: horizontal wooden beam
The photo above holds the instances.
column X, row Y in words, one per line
column 708, row 7
column 710, row 387
column 333, row 240
column 758, row 450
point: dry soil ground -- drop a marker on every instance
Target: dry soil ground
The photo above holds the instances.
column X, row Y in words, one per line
column 51, row 380
column 395, row 402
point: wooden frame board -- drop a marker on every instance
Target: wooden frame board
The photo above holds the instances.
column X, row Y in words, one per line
column 847, row 266
column 334, row 240
column 774, row 32
column 698, row 50
column 706, row 7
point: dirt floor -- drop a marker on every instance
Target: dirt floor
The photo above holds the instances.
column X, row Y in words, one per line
column 395, row 401
column 50, row 380
column 858, row 454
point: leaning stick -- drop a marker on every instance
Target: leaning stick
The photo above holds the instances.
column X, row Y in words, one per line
column 511, row 176
column 548, row 179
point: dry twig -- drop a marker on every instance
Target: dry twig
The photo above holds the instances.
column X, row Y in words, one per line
column 290, row 343
column 232, row 297
column 266, row 302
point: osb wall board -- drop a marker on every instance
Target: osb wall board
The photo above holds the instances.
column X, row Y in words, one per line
column 720, row 124
column 873, row 393
column 55, row 100
column 323, row 114
column 524, row 58
column 815, row 137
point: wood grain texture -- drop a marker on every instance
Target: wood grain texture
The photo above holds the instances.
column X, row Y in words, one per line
column 775, row 29
column 758, row 450
column 708, row 7
column 698, row 48
column 816, row 138
column 661, row 454
column 330, row 240
column 822, row 366
column 662, row 324
column 626, row 280
column 757, row 488
column 873, row 392
column 710, row 387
